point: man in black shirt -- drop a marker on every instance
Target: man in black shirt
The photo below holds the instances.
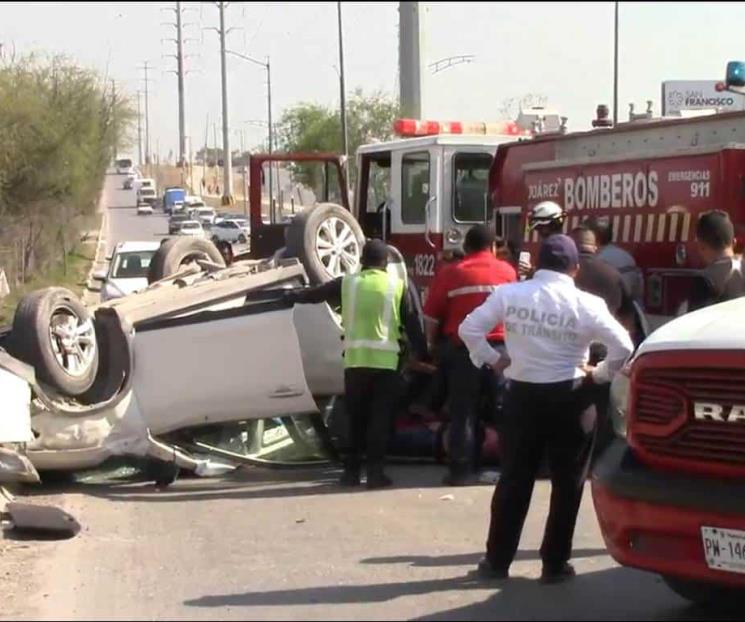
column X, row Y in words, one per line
column 600, row 278
column 722, row 278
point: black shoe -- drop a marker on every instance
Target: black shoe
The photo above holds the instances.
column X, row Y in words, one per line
column 378, row 480
column 557, row 574
column 485, row 570
column 350, row 478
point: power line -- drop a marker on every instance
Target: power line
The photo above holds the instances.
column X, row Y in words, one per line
column 180, row 73
column 227, row 197
column 146, row 67
column 139, row 129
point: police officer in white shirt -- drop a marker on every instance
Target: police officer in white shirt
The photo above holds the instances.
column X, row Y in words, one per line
column 549, row 325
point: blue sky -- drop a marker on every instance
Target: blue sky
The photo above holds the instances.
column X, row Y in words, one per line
column 560, row 50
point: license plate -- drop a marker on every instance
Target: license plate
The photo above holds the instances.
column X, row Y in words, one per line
column 724, row 549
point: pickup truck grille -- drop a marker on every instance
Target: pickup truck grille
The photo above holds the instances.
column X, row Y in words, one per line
column 662, row 418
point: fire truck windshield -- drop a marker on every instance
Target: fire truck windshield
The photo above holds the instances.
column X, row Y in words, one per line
column 471, row 201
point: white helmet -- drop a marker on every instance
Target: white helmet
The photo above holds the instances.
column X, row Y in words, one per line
column 546, row 213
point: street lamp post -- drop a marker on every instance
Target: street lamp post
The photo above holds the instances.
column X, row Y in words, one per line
column 615, row 67
column 227, row 197
column 342, row 88
column 268, row 68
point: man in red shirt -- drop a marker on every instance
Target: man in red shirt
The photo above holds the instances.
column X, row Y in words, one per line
column 457, row 290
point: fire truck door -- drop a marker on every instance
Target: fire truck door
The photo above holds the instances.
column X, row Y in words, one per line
column 508, row 223
column 416, row 223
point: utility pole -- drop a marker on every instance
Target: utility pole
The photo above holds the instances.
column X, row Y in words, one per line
column 342, row 98
column 227, row 196
column 181, row 111
column 180, row 74
column 139, row 129
column 615, row 67
column 214, row 138
column 205, row 154
column 205, row 158
column 409, row 59
column 271, row 132
column 145, row 68
column 113, row 118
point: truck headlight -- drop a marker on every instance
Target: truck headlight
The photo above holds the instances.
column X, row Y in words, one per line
column 454, row 236
column 620, row 391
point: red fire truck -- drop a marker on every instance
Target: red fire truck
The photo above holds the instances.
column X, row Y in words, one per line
column 651, row 178
column 420, row 193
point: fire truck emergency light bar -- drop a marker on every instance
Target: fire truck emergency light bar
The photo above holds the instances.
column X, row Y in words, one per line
column 415, row 127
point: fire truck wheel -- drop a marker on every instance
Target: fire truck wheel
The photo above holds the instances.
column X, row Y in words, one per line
column 177, row 253
column 328, row 240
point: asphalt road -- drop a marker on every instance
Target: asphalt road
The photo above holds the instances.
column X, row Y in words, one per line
column 291, row 545
column 268, row 545
column 123, row 222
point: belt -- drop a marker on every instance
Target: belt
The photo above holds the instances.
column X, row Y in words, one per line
column 457, row 341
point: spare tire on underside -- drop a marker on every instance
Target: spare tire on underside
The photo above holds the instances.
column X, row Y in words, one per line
column 175, row 254
column 54, row 333
column 328, row 240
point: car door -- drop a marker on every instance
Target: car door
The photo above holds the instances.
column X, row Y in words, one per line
column 232, row 230
column 218, row 364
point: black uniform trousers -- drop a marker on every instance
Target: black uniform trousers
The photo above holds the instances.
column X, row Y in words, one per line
column 371, row 398
column 467, row 386
column 555, row 420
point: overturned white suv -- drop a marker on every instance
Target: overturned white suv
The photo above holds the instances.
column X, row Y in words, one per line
column 205, row 345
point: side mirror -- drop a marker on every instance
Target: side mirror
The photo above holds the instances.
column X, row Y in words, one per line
column 735, row 74
column 109, row 257
column 99, row 275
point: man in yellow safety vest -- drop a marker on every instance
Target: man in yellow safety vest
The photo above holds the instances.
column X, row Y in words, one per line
column 377, row 307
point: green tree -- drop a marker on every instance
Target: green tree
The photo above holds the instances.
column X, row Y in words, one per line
column 309, row 127
column 59, row 124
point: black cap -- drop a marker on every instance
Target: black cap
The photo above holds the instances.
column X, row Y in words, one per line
column 558, row 253
column 375, row 254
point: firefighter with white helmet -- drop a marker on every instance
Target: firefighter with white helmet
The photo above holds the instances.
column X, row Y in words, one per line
column 547, row 218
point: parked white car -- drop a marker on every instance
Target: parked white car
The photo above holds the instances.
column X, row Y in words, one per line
column 128, row 268
column 192, row 228
column 230, row 231
column 205, row 215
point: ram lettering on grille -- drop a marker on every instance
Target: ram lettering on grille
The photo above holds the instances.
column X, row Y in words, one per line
column 707, row 411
